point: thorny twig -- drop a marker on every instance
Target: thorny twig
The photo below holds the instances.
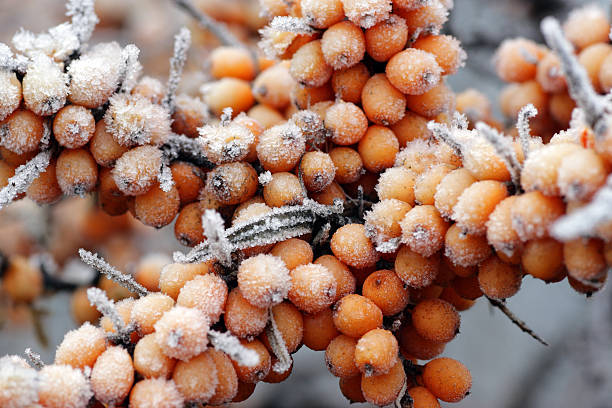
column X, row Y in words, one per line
column 125, row 280
column 34, row 358
column 182, row 41
column 518, row 322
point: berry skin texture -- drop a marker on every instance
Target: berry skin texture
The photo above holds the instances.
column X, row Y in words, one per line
column 447, row 379
column 499, row 280
column 376, row 352
column 387, row 291
column 81, row 347
column 351, row 246
column 196, row 379
column 155, row 392
column 355, row 315
column 436, row 320
column 423, row 398
column 413, row 71
column 340, row 357
column 383, row 389
column 181, row 332
column 313, row 288
column 112, row 376
column 243, row 319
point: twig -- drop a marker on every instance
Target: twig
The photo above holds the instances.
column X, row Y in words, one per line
column 231, row 346
column 277, row 343
column 504, row 151
column 182, row 41
column 521, row 324
column 522, row 125
column 24, row 176
column 444, row 134
column 34, row 358
column 125, row 280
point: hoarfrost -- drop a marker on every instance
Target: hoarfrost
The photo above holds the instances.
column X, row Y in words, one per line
column 231, row 346
column 522, row 125
column 102, row 266
column 18, row 383
column 97, row 297
column 182, row 41
column 34, row 358
column 45, row 86
column 278, row 35
column 132, row 68
column 214, row 230
column 24, row 176
column 165, row 179
column 84, row 18
column 8, row 62
column 226, row 142
column 503, row 148
column 277, row 343
column 265, row 178
column 64, row 385
column 58, row 43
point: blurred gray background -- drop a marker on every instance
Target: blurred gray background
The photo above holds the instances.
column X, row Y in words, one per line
column 509, row 368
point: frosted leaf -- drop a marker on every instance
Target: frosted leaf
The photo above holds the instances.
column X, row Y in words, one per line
column 182, row 332
column 584, row 221
column 58, row 43
column 265, row 178
column 182, row 41
column 132, row 68
column 34, row 358
column 45, row 86
column 277, row 343
column 504, row 149
column 226, row 142
column 84, row 18
column 10, row 93
column 135, row 120
column 24, row 176
column 278, row 35
column 102, row 266
column 64, row 386
column 231, row 346
column 18, row 383
column 264, row 280
column 95, row 76
column 214, row 230
column 166, row 182
column 522, row 125
column 578, row 82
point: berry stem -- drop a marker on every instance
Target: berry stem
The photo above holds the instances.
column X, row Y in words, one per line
column 521, row 324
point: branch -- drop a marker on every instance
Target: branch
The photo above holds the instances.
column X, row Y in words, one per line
column 24, row 176
column 125, row 280
column 518, row 322
column 97, row 298
column 231, row 346
column 522, row 125
column 182, row 41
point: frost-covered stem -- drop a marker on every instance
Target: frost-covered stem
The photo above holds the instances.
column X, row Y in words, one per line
column 132, row 68
column 522, row 125
column 444, row 135
column 504, row 150
column 231, row 346
column 34, row 358
column 84, row 18
column 578, row 81
column 214, row 230
column 125, row 280
column 277, row 343
column 217, row 29
column 585, row 220
column 187, row 149
column 24, row 176
column 165, row 178
column 518, row 322
column 182, row 41
column 403, row 400
column 97, row 298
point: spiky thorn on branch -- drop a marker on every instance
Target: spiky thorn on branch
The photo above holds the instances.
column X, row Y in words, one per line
column 518, row 322
column 504, row 151
column 24, row 176
column 97, row 298
column 585, row 220
column 579, row 84
column 34, row 358
column 182, row 42
column 277, row 343
column 125, row 280
column 522, row 125
column 217, row 29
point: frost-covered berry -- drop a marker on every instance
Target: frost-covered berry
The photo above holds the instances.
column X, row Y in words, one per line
column 94, row 77
column 281, row 147
column 10, row 93
column 151, row 88
column 208, row 293
column 243, row 319
column 21, row 132
column 62, row 386
column 197, row 378
column 232, row 183
column 81, row 347
column 136, row 170
column 181, row 332
column 18, row 383
column 76, row 171
column 313, row 288
column 44, row 86
column 112, row 376
column 189, row 114
column 134, row 120
column 73, row 126
column 155, row 392
column 263, row 280
column 149, row 309
column 150, row 360
column 226, row 142
column 366, row 13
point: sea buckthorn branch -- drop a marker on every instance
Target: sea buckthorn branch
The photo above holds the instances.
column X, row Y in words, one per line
column 230, row 345
column 97, row 298
column 104, row 267
column 24, row 176
column 585, row 220
column 504, row 150
column 132, row 69
column 277, row 343
column 182, row 41
column 522, row 125
column 518, row 322
column 578, row 82
column 34, row 358
column 445, row 135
